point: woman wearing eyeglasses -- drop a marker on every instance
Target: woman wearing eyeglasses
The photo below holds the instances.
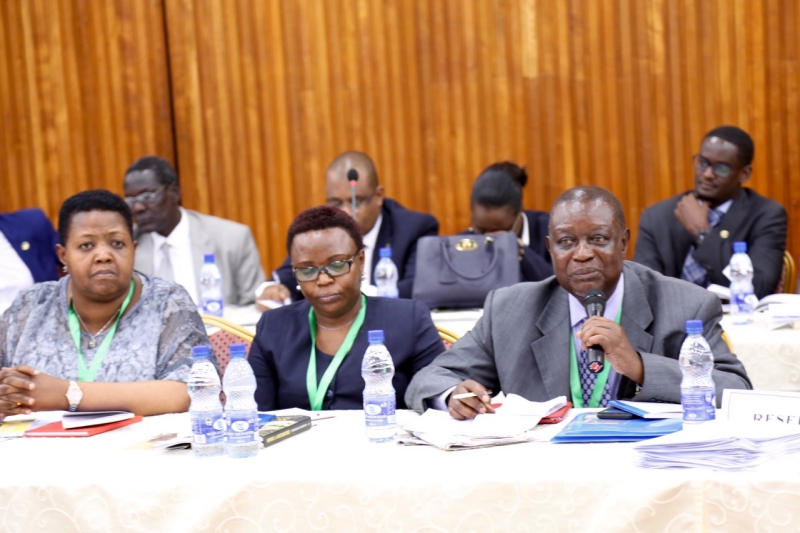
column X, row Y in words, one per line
column 104, row 336
column 308, row 354
column 496, row 204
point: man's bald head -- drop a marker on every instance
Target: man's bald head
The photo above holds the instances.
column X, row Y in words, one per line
column 359, row 161
column 369, row 194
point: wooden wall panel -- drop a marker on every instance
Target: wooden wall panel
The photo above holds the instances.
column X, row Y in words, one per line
column 84, row 90
column 609, row 92
column 616, row 93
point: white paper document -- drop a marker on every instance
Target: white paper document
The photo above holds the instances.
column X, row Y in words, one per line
column 509, row 424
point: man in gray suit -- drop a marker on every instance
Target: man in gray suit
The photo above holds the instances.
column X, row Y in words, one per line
column 530, row 340
column 172, row 240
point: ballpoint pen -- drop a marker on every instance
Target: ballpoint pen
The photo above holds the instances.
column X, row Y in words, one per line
column 463, row 395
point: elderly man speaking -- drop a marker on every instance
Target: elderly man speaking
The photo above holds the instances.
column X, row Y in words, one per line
column 529, row 333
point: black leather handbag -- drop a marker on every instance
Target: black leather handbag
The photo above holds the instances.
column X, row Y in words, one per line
column 460, row 271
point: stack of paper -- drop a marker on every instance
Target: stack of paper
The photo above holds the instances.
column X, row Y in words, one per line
column 510, row 424
column 720, row 445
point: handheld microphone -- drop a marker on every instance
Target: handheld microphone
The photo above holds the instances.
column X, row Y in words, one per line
column 595, row 303
column 352, row 176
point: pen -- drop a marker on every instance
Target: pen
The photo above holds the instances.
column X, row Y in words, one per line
column 469, row 395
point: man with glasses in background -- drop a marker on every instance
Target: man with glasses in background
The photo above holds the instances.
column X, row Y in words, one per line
column 691, row 236
column 382, row 221
column 172, row 240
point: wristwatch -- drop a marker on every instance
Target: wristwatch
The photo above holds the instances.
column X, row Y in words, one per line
column 700, row 237
column 74, row 396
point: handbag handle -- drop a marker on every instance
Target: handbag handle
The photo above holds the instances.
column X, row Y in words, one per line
column 444, row 242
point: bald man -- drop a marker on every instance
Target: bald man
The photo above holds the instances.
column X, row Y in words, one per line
column 383, row 222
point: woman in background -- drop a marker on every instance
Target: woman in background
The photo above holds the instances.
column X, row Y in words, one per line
column 308, row 354
column 103, row 337
column 496, row 205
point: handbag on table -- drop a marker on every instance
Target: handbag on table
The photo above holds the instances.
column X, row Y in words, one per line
column 460, row 271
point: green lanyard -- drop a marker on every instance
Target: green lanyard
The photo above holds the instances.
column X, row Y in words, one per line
column 88, row 374
column 316, row 394
column 575, row 378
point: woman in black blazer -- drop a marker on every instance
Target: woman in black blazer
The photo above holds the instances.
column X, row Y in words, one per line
column 496, row 204
column 327, row 255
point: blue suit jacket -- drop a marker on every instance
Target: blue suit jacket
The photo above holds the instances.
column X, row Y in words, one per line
column 400, row 229
column 536, row 264
column 281, row 349
column 32, row 235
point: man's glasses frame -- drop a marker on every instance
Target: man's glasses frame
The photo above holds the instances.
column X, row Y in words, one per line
column 360, row 202
column 720, row 170
column 146, row 197
column 334, row 269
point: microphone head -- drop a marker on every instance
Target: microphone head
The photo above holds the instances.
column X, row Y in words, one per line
column 352, row 175
column 594, row 296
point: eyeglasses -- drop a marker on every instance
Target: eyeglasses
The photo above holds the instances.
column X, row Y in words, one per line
column 145, row 197
column 360, row 202
column 333, row 269
column 720, row 170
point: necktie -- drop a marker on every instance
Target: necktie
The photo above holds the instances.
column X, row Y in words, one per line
column 165, row 267
column 588, row 378
column 692, row 271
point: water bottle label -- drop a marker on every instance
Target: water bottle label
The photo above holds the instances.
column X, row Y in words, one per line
column 208, row 428
column 212, row 307
column 699, row 405
column 379, row 411
column 742, row 302
column 242, row 428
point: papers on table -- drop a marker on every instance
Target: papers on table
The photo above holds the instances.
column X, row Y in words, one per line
column 510, row 424
column 92, row 418
column 720, row 445
column 586, row 427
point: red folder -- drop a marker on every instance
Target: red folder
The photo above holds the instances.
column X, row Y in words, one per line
column 57, row 430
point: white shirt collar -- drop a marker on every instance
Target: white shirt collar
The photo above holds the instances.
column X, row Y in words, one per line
column 723, row 208
column 370, row 243
column 577, row 311
column 178, row 236
column 526, row 232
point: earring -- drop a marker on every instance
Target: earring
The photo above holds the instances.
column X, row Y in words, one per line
column 363, row 276
column 64, row 268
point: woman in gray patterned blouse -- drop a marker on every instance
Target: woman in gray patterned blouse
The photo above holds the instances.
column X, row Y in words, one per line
column 104, row 336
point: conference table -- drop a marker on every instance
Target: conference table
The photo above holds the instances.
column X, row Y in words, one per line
column 331, row 479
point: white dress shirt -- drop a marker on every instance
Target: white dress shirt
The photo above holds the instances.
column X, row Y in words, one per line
column 180, row 255
column 526, row 231
column 14, row 274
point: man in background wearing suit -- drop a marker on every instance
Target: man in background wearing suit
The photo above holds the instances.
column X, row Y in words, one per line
column 531, row 338
column 27, row 252
column 691, row 236
column 172, row 240
column 382, row 221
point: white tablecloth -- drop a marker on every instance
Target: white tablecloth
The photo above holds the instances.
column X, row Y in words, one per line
column 331, row 479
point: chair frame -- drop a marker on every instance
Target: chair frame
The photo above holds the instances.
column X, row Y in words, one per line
column 446, row 334
column 789, row 277
column 227, row 325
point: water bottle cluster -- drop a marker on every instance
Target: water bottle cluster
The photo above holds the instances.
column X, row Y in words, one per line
column 212, row 434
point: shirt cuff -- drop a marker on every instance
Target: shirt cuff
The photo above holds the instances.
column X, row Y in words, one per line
column 439, row 402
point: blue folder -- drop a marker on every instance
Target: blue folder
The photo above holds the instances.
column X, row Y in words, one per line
column 586, row 427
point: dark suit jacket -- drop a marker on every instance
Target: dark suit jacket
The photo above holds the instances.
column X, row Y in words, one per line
column 663, row 243
column 280, row 351
column 536, row 264
column 521, row 343
column 400, row 229
column 32, row 235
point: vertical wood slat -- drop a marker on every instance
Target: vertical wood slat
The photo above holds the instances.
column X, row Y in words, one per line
column 615, row 93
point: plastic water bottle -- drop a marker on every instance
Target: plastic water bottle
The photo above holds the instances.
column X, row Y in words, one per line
column 208, row 423
column 743, row 301
column 697, row 387
column 239, row 385
column 210, row 287
column 386, row 275
column 377, row 369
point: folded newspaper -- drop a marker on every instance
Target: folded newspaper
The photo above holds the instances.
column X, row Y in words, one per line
column 511, row 423
column 720, row 445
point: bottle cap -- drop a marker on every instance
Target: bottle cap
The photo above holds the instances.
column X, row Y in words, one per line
column 694, row 327
column 237, row 350
column 199, row 352
column 740, row 247
column 385, row 252
column 208, row 258
column 376, row 335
